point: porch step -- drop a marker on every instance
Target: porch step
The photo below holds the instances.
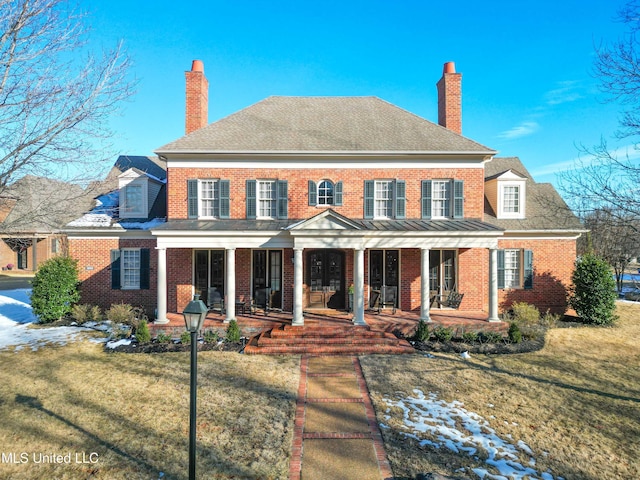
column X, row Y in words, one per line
column 348, row 340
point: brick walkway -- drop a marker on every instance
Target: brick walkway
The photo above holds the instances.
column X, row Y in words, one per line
column 336, row 435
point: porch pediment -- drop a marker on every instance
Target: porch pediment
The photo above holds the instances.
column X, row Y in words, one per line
column 326, row 220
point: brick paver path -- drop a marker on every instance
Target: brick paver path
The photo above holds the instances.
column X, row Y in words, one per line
column 336, row 435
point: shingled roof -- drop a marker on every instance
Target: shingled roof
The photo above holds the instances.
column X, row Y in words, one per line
column 323, row 124
column 545, row 208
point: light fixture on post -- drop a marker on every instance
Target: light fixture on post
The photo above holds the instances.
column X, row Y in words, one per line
column 194, row 315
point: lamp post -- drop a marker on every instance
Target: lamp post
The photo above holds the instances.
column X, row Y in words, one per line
column 194, row 315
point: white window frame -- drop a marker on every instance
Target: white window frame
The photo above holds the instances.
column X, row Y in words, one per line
column 383, row 204
column 512, row 268
column 267, row 208
column 503, row 198
column 138, row 209
column 324, row 198
column 441, row 193
column 214, row 199
column 130, row 262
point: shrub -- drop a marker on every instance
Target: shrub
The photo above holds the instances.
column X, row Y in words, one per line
column 593, row 295
column 525, row 314
column 490, row 337
column 80, row 313
column 211, row 336
column 163, row 338
column 120, row 313
column 55, row 288
column 470, row 337
column 443, row 334
column 233, row 332
column 185, row 338
column 422, row 332
column 515, row 335
column 86, row 313
column 549, row 320
column 142, row 332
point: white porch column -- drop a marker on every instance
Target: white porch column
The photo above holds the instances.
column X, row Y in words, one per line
column 425, row 290
column 493, row 285
column 230, row 286
column 358, row 287
column 298, row 318
column 161, row 314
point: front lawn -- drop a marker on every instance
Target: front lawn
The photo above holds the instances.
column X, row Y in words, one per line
column 570, row 410
column 123, row 416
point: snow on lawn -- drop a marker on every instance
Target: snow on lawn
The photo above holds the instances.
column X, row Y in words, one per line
column 461, row 431
column 16, row 315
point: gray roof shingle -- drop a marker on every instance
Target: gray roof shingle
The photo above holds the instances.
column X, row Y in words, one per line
column 323, row 124
column 545, row 208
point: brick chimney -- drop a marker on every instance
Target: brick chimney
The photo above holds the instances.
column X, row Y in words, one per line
column 197, row 104
column 450, row 98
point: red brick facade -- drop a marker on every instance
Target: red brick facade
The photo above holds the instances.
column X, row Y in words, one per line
column 353, row 188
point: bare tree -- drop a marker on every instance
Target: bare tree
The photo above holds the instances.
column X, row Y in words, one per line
column 614, row 236
column 606, row 178
column 55, row 96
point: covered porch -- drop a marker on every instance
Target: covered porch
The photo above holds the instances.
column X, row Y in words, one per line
column 314, row 261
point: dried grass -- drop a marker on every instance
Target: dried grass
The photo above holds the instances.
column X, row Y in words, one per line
column 133, row 411
column 578, row 400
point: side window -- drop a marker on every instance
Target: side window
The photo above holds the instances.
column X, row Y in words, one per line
column 130, row 269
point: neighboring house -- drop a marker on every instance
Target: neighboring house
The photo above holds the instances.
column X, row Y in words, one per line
column 314, row 198
column 113, row 241
column 33, row 211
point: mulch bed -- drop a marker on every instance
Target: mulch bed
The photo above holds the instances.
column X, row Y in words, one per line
column 155, row 347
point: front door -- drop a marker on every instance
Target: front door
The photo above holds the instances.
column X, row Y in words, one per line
column 208, row 272
column 325, row 278
column 442, row 274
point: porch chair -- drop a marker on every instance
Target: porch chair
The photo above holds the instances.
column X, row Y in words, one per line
column 453, row 300
column 388, row 298
column 215, row 301
column 260, row 301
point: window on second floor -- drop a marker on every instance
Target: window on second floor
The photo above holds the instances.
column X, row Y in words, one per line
column 384, row 199
column 132, row 201
column 267, row 199
column 442, row 199
column 325, row 193
column 511, row 199
column 208, row 198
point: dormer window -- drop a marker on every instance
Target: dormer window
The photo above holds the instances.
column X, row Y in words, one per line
column 511, row 199
column 134, row 197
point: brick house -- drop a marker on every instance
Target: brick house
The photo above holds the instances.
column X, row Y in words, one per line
column 333, row 203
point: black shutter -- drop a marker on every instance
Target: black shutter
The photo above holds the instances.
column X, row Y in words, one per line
column 313, row 193
column 283, row 199
column 426, row 199
column 458, row 199
column 401, row 210
column 369, row 188
column 224, row 199
column 337, row 192
column 251, row 199
column 192, row 198
column 528, row 269
column 500, row 268
column 115, row 269
column 144, row 268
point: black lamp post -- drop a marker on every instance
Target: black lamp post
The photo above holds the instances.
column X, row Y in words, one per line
column 194, row 315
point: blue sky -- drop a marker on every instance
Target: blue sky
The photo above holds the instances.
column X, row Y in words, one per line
column 526, row 83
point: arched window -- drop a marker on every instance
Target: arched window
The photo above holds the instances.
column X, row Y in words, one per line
column 325, row 193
